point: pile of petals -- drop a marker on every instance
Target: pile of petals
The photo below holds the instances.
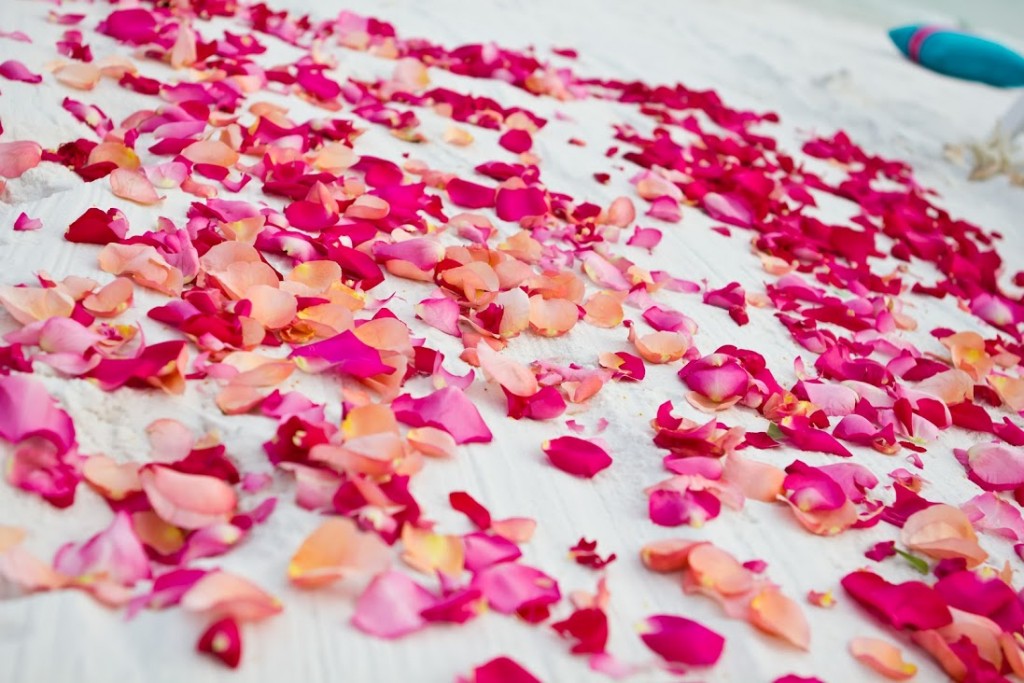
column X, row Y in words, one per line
column 288, row 267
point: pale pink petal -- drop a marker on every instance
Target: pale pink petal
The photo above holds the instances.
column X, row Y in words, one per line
column 134, row 186
column 509, row 586
column 390, row 606
column 514, row 377
column 18, row 157
column 190, row 501
column 221, row 594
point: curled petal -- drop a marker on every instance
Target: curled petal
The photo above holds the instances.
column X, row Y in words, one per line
column 13, row 70
column 222, row 594
column 943, row 531
column 18, row 157
column 446, row 409
column 190, row 501
column 885, row 658
column 996, row 466
column 774, row 613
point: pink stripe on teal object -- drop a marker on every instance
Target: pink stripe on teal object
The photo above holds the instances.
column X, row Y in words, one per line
column 960, row 55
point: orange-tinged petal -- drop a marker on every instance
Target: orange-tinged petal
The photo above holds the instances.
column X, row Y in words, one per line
column 515, row 529
column 10, row 536
column 714, row 568
column 32, row 304
column 133, row 186
column 336, row 549
column 968, row 353
column 144, row 264
column 238, row 278
column 190, row 501
column 427, row 552
column 943, row 531
column 670, row 555
column 78, row 75
column 432, row 441
column 754, row 479
column 312, row 278
column 885, row 658
column 221, row 594
column 111, row 300
column 112, row 480
column 115, row 152
column 513, row 376
column 552, row 317
column 662, row 347
column 604, row 309
column 164, row 538
column 621, row 213
column 183, row 53
column 272, row 307
column 210, row 152
column 952, row 386
column 1010, row 389
column 774, row 613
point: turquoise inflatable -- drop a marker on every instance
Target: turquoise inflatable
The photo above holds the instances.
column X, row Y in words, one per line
column 960, row 55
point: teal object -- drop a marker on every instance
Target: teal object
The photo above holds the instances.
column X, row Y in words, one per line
column 960, row 55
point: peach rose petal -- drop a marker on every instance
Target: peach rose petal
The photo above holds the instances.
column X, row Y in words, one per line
column 212, row 152
column 221, row 594
column 552, row 317
column 774, row 613
column 883, row 657
column 427, row 552
column 190, row 501
column 714, row 568
column 943, row 532
column 78, row 75
column 335, row 550
column 133, row 186
column 514, row 377
column 111, row 300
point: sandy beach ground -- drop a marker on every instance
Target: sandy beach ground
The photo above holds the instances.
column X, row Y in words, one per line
column 820, row 73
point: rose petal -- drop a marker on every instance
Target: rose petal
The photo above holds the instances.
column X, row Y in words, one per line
column 885, row 658
column 390, row 606
column 682, row 641
column 576, row 456
column 335, row 550
column 190, row 501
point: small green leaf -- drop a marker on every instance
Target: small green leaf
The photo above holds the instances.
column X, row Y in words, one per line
column 914, row 561
column 775, row 432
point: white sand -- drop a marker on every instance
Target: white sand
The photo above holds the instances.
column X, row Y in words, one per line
column 817, row 73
